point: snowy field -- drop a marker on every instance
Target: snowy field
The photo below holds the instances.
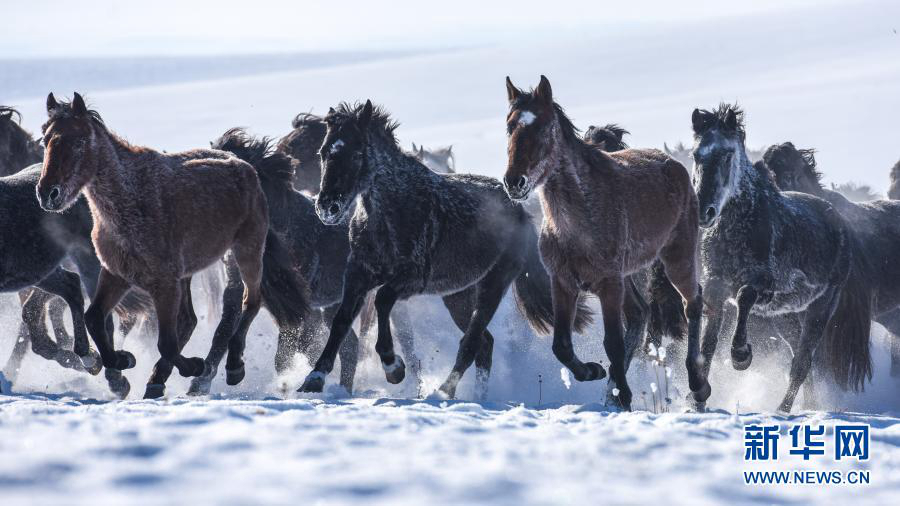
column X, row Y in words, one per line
column 824, row 78
column 396, row 452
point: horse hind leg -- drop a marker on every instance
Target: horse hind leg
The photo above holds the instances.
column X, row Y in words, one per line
column 489, row 292
column 248, row 255
column 679, row 262
column 187, row 322
column 815, row 320
column 402, row 325
column 231, row 311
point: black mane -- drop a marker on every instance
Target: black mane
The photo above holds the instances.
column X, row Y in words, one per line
column 7, row 113
column 808, row 156
column 305, row 119
column 716, row 119
column 611, row 134
column 258, row 152
column 381, row 122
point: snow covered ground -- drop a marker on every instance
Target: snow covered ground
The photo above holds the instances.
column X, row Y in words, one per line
column 824, row 78
column 60, row 450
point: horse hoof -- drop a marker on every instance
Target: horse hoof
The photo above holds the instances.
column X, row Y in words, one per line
column 314, row 383
column 195, row 367
column 200, row 386
column 124, row 360
column 92, row 363
column 703, row 393
column 439, row 395
column 595, row 371
column 120, row 386
column 396, row 371
column 234, row 376
column 741, row 357
column 154, row 391
column 695, row 405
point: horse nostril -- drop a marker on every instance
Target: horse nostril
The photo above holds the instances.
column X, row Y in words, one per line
column 710, row 213
column 334, row 209
column 54, row 193
column 522, row 182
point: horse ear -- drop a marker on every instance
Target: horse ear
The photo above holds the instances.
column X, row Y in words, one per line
column 544, row 91
column 331, row 111
column 698, row 121
column 52, row 104
column 366, row 115
column 512, row 93
column 414, row 147
column 78, row 105
column 730, row 119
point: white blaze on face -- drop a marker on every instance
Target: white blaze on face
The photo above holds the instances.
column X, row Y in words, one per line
column 336, row 146
column 526, row 118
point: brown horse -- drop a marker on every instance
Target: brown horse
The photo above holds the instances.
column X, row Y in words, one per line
column 158, row 219
column 606, row 216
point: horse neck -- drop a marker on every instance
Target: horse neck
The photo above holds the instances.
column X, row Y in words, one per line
column 751, row 190
column 393, row 174
column 113, row 192
column 563, row 194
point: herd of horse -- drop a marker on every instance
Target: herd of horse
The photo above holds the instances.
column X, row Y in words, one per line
column 335, row 223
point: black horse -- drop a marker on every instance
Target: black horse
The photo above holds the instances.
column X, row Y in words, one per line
column 318, row 250
column 33, row 246
column 417, row 232
column 776, row 253
column 876, row 224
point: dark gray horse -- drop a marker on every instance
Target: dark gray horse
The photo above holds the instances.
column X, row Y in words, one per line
column 318, row 250
column 417, row 232
column 776, row 253
column 876, row 224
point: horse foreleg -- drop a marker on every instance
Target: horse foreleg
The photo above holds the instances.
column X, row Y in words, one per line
column 68, row 286
column 357, row 284
column 393, row 365
column 56, row 310
column 741, row 352
column 612, row 294
column 110, row 290
column 565, row 301
column 167, row 298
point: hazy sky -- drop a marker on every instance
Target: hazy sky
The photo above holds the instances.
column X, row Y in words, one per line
column 92, row 27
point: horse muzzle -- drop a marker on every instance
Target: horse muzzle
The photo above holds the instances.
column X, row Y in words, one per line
column 330, row 213
column 517, row 188
column 709, row 215
column 52, row 198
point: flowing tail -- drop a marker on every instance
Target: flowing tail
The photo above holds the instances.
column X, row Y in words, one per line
column 666, row 307
column 846, row 341
column 532, row 293
column 285, row 292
